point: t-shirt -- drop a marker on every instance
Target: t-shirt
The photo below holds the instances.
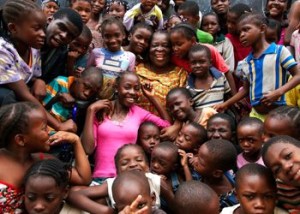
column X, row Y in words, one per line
column 204, row 37
column 230, row 210
column 13, row 68
column 241, row 161
column 112, row 64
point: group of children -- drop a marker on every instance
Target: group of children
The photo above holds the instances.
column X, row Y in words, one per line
column 177, row 112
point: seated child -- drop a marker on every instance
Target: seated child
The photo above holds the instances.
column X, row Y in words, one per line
column 77, row 52
column 132, row 194
column 146, row 11
column 214, row 161
column 207, row 85
column 181, row 106
column 148, row 137
column 189, row 11
column 129, row 157
column 256, row 191
column 194, row 197
column 62, row 92
column 250, row 133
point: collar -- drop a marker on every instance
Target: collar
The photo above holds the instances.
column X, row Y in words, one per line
column 272, row 49
column 216, row 74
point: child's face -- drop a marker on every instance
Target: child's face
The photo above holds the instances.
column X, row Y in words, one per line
column 271, row 35
column 97, row 6
column 128, row 90
column 50, row 8
column 210, row 24
column 276, row 7
column 60, row 32
column 163, row 5
column 172, row 22
column 43, row 195
column 139, row 40
column 200, row 64
column 255, row 195
column 149, row 137
column 163, row 161
column 80, row 44
column 132, row 158
column 284, row 161
column 147, row 5
column 85, row 88
column 84, row 8
column 219, row 128
column 160, row 50
column 187, row 138
column 192, row 20
column 179, row 106
column 113, row 37
column 231, row 23
column 30, row 31
column 203, row 163
column 220, row 6
column 274, row 126
column 36, row 138
column 250, row 139
column 180, row 44
column 116, row 10
column 250, row 33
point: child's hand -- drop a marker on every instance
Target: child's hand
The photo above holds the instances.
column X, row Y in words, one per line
column 270, row 97
column 66, row 99
column 184, row 157
column 190, row 158
column 68, row 125
column 220, row 107
column 134, row 207
column 73, row 55
column 171, row 132
column 147, row 89
column 63, row 136
column 78, row 71
column 101, row 104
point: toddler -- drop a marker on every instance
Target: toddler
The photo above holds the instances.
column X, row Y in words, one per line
column 250, row 133
column 145, row 11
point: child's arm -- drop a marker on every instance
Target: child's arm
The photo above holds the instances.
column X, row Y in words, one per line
column 237, row 97
column 87, row 135
column 185, row 165
column 81, row 172
column 71, row 60
column 171, row 132
column 148, row 91
column 83, row 199
column 231, row 82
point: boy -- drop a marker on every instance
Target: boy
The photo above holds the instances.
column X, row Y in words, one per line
column 146, row 11
column 189, row 10
column 220, row 7
column 62, row 92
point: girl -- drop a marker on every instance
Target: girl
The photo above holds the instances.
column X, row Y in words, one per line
column 111, row 59
column 23, row 132
column 117, row 8
column 159, row 71
column 50, row 7
column 96, row 14
column 139, row 41
column 47, row 179
column 84, row 8
column 181, row 106
column 128, row 157
column 265, row 60
column 211, row 24
column 117, row 123
column 278, row 10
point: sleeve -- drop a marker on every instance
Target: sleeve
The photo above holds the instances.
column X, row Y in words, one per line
column 217, row 60
column 131, row 62
column 51, row 90
column 228, row 54
column 92, row 59
column 286, row 59
column 8, row 66
column 160, row 18
column 147, row 116
column 128, row 19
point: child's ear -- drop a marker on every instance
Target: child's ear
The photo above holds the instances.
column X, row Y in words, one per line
column 194, row 40
column 20, row 140
column 217, row 173
column 129, row 37
column 192, row 102
column 153, row 197
column 263, row 28
column 12, row 28
column 66, row 192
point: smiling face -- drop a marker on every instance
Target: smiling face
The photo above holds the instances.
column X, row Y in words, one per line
column 42, row 195
column 147, row 5
column 276, row 8
column 139, row 40
column 256, row 195
column 116, row 9
column 128, row 89
column 284, row 160
column 80, row 44
column 160, row 50
column 210, row 24
column 50, row 8
column 149, row 136
column 187, row 138
column 61, row 32
column 220, row 6
column 180, row 44
column 200, row 63
column 250, row 33
column 219, row 128
column 113, row 37
column 84, row 8
column 97, row 6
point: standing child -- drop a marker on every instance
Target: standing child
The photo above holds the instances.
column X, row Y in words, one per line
column 117, row 8
column 96, row 14
column 146, row 11
column 111, row 59
column 220, row 7
column 214, row 160
column 23, row 140
column 84, row 8
column 266, row 69
column 211, row 24
column 50, row 7
column 207, row 85
column 255, row 189
column 250, row 133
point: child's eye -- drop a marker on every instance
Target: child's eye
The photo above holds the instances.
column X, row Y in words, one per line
column 288, row 156
column 31, row 197
column 276, row 170
column 140, row 206
column 249, row 197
